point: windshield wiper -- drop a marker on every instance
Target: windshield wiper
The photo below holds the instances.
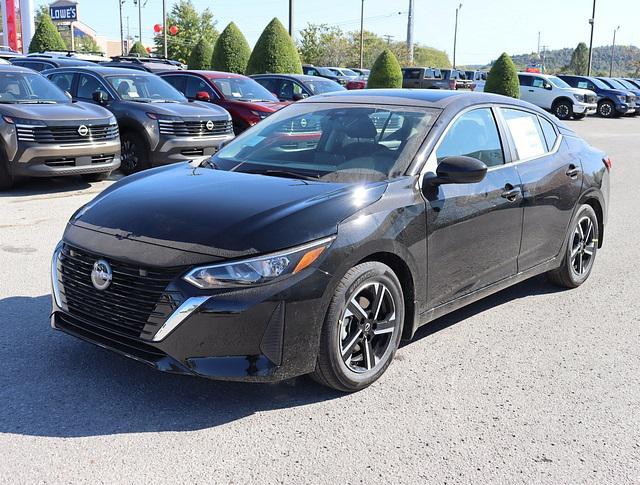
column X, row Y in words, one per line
column 285, row 173
column 164, row 101
column 35, row 101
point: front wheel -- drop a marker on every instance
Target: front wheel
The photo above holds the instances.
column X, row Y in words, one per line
column 6, row 178
column 581, row 250
column 607, row 109
column 362, row 328
column 563, row 110
column 134, row 154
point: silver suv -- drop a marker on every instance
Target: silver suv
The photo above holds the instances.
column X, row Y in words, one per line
column 44, row 134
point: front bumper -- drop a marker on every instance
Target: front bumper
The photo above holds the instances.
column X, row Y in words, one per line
column 585, row 108
column 266, row 333
column 51, row 160
column 625, row 109
column 177, row 149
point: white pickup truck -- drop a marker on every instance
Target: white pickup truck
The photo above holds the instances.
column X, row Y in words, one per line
column 555, row 95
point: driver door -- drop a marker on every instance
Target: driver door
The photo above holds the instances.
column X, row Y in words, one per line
column 473, row 230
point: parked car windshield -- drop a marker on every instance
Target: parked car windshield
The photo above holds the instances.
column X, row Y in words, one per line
column 320, row 86
column 627, row 84
column 349, row 72
column 615, row 84
column 326, row 72
column 330, row 142
column 144, row 88
column 557, row 82
column 243, row 89
column 599, row 83
column 29, row 88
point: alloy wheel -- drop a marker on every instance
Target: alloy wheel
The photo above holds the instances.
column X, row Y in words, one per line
column 606, row 110
column 367, row 325
column 583, row 247
column 562, row 111
column 128, row 157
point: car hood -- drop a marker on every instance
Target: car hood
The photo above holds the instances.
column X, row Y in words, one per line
column 194, row 109
column 73, row 112
column 584, row 92
column 222, row 214
column 267, row 106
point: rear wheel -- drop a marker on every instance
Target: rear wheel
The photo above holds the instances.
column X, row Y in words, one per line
column 362, row 328
column 134, row 156
column 581, row 250
column 607, row 109
column 563, row 110
column 95, row 177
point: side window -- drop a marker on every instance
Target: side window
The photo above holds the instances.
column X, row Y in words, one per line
column 312, row 72
column 474, row 134
column 195, row 85
column 524, row 80
column 412, row 74
column 437, row 73
column 549, row 131
column 64, row 80
column 87, row 85
column 270, row 84
column 178, row 82
column 537, row 82
column 526, row 133
column 287, row 89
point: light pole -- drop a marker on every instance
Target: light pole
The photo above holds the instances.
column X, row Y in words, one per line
column 362, row 35
column 455, row 36
column 120, row 2
column 291, row 18
column 410, row 32
column 164, row 26
column 592, row 21
column 613, row 49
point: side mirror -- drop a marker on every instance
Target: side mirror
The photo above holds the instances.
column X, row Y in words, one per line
column 458, row 170
column 68, row 95
column 100, row 97
column 548, row 86
column 299, row 96
column 203, row 96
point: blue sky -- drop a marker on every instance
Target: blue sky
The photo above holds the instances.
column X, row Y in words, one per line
column 486, row 27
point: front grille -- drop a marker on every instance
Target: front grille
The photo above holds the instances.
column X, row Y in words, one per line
column 192, row 152
column 102, row 159
column 195, row 128
column 66, row 134
column 60, row 162
column 135, row 304
column 631, row 99
column 591, row 99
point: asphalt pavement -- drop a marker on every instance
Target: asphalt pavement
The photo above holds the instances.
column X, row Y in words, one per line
column 531, row 385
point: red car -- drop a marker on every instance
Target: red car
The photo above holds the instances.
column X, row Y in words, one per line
column 246, row 100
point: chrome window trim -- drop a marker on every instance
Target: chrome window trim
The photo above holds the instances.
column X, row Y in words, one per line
column 178, row 316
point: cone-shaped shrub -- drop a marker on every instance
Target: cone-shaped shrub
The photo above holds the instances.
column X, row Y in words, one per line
column 385, row 72
column 46, row 37
column 232, row 51
column 274, row 52
column 138, row 49
column 200, row 57
column 503, row 78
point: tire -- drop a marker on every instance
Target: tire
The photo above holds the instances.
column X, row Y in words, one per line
column 563, row 110
column 134, row 156
column 581, row 250
column 95, row 177
column 578, row 116
column 344, row 327
column 6, row 179
column 607, row 109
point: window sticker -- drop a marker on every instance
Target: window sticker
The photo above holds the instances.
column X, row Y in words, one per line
column 526, row 137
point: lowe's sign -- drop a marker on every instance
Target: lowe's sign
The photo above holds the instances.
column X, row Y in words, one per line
column 63, row 13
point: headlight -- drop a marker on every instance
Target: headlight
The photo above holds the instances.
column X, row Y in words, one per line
column 622, row 98
column 260, row 114
column 260, row 270
column 22, row 121
column 579, row 97
column 113, row 121
column 155, row 116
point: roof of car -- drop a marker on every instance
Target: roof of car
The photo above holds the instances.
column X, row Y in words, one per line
column 298, row 77
column 62, row 61
column 104, row 70
column 12, row 67
column 429, row 98
column 207, row 74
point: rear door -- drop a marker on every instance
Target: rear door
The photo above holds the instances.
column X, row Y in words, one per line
column 551, row 175
column 474, row 229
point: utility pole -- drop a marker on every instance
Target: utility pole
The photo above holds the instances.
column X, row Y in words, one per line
column 543, row 58
column 592, row 21
column 538, row 43
column 388, row 38
column 128, row 36
column 613, row 50
column 164, row 25
column 455, row 36
column 362, row 35
column 139, row 20
column 410, row 32
column 120, row 2
column 291, row 18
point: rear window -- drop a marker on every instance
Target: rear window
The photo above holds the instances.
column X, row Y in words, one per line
column 412, row 73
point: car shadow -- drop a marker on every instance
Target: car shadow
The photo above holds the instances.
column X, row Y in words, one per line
column 533, row 286
column 50, row 185
column 57, row 386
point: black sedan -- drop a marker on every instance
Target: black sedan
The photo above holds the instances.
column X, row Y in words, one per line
column 318, row 239
column 294, row 87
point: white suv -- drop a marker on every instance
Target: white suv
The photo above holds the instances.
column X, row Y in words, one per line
column 555, row 95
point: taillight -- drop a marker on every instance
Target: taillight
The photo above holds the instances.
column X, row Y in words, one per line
column 452, row 84
column 607, row 163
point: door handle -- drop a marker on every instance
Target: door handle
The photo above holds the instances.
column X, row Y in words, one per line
column 573, row 171
column 510, row 193
column 531, row 91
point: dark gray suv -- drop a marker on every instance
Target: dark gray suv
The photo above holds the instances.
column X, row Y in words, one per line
column 43, row 133
column 157, row 124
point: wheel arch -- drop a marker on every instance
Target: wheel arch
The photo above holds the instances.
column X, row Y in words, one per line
column 592, row 200
column 559, row 99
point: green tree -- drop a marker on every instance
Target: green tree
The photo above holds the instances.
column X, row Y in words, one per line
column 503, row 78
column 324, row 45
column 191, row 25
column 579, row 60
column 274, row 52
column 138, row 49
column 86, row 44
column 385, row 72
column 428, row 56
column 201, row 54
column 46, row 37
column 231, row 52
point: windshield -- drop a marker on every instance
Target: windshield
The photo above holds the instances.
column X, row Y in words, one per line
column 320, row 86
column 599, row 83
column 349, row 72
column 29, row 88
column 627, row 84
column 330, row 142
column 326, row 72
column 243, row 89
column 557, row 82
column 145, row 88
column 613, row 83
